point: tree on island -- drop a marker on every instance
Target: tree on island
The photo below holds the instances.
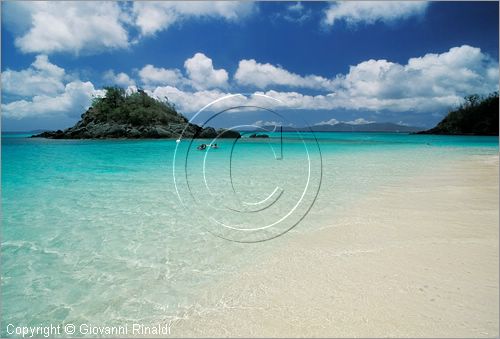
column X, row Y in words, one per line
column 137, row 108
column 477, row 115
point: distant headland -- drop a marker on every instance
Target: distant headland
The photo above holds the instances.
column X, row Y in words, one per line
column 476, row 116
column 134, row 116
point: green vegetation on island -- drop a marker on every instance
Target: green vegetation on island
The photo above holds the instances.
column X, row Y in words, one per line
column 476, row 116
column 138, row 108
column 118, row 114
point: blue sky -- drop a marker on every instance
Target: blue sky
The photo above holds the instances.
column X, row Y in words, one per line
column 402, row 62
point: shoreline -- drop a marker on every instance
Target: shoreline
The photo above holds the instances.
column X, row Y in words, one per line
column 426, row 266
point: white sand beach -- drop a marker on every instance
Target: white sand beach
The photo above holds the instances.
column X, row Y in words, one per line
column 417, row 259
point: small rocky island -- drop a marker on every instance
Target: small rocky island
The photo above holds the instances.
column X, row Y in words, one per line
column 476, row 116
column 134, row 116
column 259, row 136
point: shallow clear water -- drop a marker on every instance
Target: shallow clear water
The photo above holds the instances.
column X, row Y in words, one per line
column 100, row 231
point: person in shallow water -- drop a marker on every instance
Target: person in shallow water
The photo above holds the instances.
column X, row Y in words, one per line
column 215, row 146
column 202, row 147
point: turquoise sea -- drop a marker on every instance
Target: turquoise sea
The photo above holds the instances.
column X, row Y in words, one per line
column 113, row 231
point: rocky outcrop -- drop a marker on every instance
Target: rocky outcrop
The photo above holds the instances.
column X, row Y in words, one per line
column 127, row 131
column 135, row 116
column 255, row 135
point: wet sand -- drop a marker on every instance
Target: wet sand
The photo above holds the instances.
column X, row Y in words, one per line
column 416, row 259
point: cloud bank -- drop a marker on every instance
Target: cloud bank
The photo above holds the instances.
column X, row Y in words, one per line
column 84, row 27
column 252, row 73
column 42, row 77
column 433, row 82
column 47, row 27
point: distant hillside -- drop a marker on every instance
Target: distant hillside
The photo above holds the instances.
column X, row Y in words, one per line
column 344, row 127
column 370, row 127
column 135, row 115
column 477, row 116
column 24, row 132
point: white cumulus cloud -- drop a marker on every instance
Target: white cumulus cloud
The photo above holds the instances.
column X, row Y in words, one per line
column 188, row 101
column 151, row 75
column 438, row 78
column 73, row 101
column 42, row 77
column 369, row 12
column 199, row 70
column 252, row 73
column 155, row 16
column 86, row 27
column 433, row 82
column 202, row 74
column 75, row 26
column 120, row 79
column 48, row 91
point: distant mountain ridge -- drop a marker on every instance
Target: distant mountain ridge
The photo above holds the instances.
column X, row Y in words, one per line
column 345, row 127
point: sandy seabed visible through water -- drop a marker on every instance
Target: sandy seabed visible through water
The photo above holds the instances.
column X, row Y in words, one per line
column 417, row 258
column 402, row 239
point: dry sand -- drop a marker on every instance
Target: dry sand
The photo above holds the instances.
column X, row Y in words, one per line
column 419, row 259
